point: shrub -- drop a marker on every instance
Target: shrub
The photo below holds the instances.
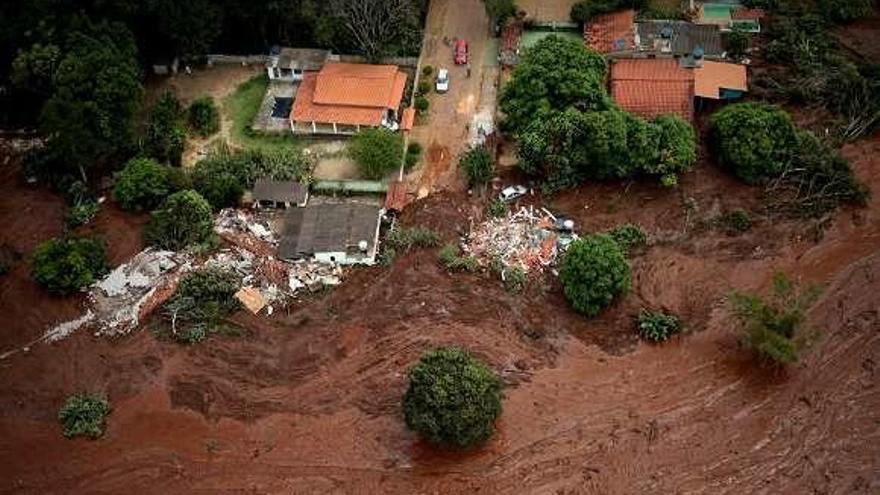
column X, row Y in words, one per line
column 736, row 221
column 81, row 213
column 204, row 118
column 84, row 415
column 677, row 149
column 142, row 185
column 427, row 71
column 845, row 11
column 587, row 9
column 514, row 278
column 421, row 104
column 183, row 221
column 737, row 43
column 413, row 152
column 453, row 399
column 451, row 259
column 203, row 298
column 629, row 236
column 594, row 272
column 755, row 140
column 166, row 134
column 403, row 239
column 498, row 208
column 657, row 326
column 772, row 327
column 68, row 264
column 377, row 152
column 424, row 88
column 478, row 165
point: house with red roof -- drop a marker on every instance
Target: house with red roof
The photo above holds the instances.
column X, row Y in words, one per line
column 649, row 87
column 611, row 33
column 342, row 98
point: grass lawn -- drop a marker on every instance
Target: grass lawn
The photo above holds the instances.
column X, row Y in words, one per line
column 241, row 107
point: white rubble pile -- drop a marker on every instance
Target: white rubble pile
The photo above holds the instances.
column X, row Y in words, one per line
column 235, row 221
column 528, row 239
column 313, row 275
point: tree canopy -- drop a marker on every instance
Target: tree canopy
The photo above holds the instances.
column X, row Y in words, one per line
column 377, row 152
column 184, row 220
column 142, row 185
column 594, row 272
column 66, row 265
column 478, row 165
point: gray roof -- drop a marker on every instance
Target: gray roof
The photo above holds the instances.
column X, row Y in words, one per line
column 328, row 228
column 282, row 191
column 680, row 37
column 302, row 58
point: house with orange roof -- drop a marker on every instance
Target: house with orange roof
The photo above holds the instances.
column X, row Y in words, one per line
column 720, row 80
column 342, row 98
column 649, row 87
column 611, row 33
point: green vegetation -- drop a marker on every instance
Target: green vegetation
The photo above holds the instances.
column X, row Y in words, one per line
column 424, row 88
column 498, row 208
column 399, row 240
column 845, row 11
column 84, row 415
column 68, row 264
column 413, row 153
column 452, row 260
column 629, row 236
column 594, row 272
column 478, row 165
column 567, row 132
column 242, row 107
column 427, row 71
column 738, row 43
column 166, row 133
column 657, row 326
column 183, row 221
column 499, row 10
column 735, row 221
column 81, row 212
column 773, row 327
column 142, row 185
column 587, row 9
column 203, row 298
column 421, row 104
column 453, row 399
column 377, row 152
column 514, row 279
column 203, row 116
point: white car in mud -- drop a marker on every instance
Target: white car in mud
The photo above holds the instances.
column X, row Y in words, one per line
column 442, row 84
column 512, row 192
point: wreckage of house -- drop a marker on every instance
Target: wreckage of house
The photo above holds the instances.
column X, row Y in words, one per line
column 343, row 233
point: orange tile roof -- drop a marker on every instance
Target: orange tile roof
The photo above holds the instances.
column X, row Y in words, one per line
column 408, row 118
column 651, row 87
column 353, row 94
column 713, row 76
column 614, row 32
column 747, row 14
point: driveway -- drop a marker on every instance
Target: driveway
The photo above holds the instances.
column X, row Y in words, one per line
column 447, row 130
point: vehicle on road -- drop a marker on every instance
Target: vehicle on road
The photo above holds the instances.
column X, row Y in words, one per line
column 442, row 84
column 460, row 52
column 512, row 192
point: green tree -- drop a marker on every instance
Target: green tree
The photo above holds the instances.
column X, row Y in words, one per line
column 594, row 272
column 166, row 134
column 84, row 415
column 553, row 75
column 773, row 327
column 677, row 149
column 184, row 220
column 478, row 165
column 453, row 399
column 737, row 42
column 34, row 69
column 188, row 27
column 68, row 264
column 845, row 11
column 585, row 10
column 203, row 298
column 755, row 140
column 90, row 116
column 204, row 118
column 499, row 10
column 377, row 152
column 142, row 185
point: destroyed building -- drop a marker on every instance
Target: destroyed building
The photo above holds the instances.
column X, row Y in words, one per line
column 344, row 233
column 279, row 193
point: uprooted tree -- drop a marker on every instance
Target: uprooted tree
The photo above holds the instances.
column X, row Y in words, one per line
column 453, row 399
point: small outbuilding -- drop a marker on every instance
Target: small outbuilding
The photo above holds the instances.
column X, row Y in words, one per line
column 340, row 233
column 279, row 193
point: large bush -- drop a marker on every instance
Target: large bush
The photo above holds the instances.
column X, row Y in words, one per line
column 203, row 298
column 142, row 185
column 203, row 116
column 594, row 272
column 184, row 220
column 166, row 134
column 84, row 415
column 585, row 10
column 377, row 152
column 453, row 399
column 676, row 151
column 478, row 165
column 755, row 140
column 68, row 264
column 773, row 327
column 845, row 11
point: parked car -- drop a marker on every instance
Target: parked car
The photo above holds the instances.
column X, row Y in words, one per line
column 460, row 52
column 442, row 81
column 512, row 192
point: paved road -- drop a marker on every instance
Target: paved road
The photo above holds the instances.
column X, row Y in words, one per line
column 446, row 131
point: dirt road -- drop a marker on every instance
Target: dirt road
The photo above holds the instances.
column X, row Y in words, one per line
column 446, row 131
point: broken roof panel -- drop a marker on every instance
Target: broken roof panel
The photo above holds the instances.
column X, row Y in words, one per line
column 609, row 33
column 712, row 77
column 280, row 191
column 651, row 87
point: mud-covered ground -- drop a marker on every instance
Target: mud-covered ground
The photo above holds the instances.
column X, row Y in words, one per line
column 308, row 401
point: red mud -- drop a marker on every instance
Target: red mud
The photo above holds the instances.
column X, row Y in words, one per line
column 308, row 401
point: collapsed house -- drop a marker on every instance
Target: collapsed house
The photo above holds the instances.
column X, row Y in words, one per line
column 339, row 233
